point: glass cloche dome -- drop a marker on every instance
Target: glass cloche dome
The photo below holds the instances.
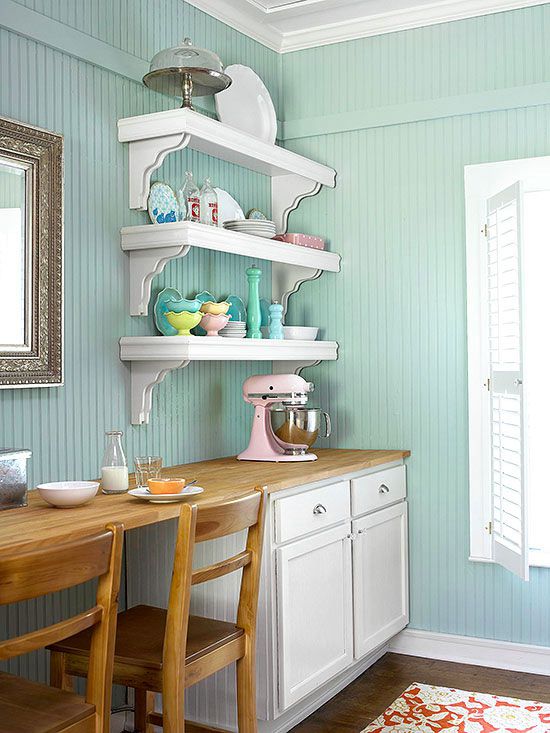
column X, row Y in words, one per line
column 186, row 71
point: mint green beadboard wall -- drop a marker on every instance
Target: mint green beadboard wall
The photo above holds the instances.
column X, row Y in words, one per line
column 398, row 308
column 197, row 412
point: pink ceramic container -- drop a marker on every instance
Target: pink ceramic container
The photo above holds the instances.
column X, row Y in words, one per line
column 304, row 240
column 213, row 322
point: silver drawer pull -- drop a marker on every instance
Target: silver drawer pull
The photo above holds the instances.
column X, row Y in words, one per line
column 319, row 509
column 384, row 489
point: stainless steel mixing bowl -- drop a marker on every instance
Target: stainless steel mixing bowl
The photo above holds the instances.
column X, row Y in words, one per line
column 297, row 428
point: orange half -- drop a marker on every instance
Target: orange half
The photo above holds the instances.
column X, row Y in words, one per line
column 166, row 485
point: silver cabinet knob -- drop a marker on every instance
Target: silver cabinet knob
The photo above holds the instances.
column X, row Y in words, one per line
column 319, row 509
column 384, row 489
column 518, row 382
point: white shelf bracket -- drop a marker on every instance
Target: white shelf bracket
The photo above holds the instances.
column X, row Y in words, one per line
column 291, row 367
column 287, row 279
column 144, row 376
column 144, row 157
column 286, row 193
column 144, row 265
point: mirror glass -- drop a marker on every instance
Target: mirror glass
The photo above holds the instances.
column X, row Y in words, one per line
column 14, row 254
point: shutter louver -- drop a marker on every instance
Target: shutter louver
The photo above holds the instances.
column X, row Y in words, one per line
column 509, row 506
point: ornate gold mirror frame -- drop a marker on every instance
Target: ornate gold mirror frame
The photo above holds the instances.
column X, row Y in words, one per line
column 31, row 256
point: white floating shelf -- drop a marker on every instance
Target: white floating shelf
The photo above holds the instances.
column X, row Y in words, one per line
column 151, row 246
column 152, row 357
column 151, row 137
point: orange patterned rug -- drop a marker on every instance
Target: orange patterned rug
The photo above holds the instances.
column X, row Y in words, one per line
column 429, row 709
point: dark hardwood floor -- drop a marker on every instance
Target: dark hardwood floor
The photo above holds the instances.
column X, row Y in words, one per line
column 369, row 695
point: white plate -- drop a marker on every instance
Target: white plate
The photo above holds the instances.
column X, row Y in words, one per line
column 247, row 105
column 252, row 225
column 249, row 223
column 228, row 208
column 142, row 493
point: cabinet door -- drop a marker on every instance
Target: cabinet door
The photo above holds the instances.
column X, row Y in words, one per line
column 315, row 615
column 380, row 577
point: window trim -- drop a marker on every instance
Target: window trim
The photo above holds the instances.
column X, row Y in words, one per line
column 480, row 182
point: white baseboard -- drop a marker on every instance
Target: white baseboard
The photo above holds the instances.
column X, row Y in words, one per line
column 471, row 650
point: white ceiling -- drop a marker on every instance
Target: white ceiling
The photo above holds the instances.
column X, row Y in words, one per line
column 289, row 25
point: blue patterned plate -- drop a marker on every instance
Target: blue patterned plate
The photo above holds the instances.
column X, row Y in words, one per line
column 264, row 312
column 237, row 310
column 162, row 204
column 257, row 215
column 170, row 299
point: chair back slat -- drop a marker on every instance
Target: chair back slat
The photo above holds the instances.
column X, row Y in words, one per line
column 198, row 524
column 26, row 575
column 61, row 565
column 49, row 634
column 224, row 567
column 233, row 516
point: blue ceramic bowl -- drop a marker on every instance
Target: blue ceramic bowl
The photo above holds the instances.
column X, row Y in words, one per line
column 170, row 300
column 178, row 305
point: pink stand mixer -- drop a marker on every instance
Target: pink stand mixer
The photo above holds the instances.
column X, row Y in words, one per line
column 283, row 429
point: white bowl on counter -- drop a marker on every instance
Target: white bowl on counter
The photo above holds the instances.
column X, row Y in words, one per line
column 65, row 494
column 300, row 333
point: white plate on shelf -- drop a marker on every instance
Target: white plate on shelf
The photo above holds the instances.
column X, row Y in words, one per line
column 228, row 208
column 143, row 493
column 247, row 105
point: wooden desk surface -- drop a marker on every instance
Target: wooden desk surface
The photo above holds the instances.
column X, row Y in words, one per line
column 221, row 478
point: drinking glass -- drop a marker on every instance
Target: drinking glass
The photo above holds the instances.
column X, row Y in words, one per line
column 147, row 467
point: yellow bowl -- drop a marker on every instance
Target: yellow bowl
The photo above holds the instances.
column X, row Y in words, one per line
column 215, row 308
column 184, row 321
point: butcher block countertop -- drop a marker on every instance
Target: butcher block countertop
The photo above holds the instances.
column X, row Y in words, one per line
column 221, row 478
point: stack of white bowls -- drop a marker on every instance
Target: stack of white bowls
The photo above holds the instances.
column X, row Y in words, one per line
column 234, row 330
column 256, row 227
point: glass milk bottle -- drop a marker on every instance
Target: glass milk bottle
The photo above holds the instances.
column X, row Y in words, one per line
column 189, row 198
column 209, row 204
column 114, row 469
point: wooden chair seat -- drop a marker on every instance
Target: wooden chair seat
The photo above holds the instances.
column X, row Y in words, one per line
column 166, row 651
column 134, row 647
column 29, row 707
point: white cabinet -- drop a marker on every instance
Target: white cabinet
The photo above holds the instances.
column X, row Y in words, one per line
column 380, row 577
column 315, row 619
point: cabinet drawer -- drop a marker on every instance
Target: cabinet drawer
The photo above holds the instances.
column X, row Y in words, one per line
column 377, row 490
column 301, row 514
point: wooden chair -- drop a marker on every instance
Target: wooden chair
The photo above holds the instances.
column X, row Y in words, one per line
column 165, row 651
column 30, row 707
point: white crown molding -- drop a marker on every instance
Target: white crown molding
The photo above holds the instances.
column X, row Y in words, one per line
column 241, row 21
column 472, row 650
column 247, row 22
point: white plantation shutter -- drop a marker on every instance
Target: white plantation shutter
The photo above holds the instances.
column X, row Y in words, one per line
column 508, row 491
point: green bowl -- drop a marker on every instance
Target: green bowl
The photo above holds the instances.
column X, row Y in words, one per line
column 184, row 321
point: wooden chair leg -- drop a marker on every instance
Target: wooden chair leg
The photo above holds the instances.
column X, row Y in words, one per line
column 173, row 714
column 246, row 692
column 58, row 675
column 144, row 703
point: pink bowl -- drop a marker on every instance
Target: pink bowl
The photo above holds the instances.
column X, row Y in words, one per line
column 212, row 323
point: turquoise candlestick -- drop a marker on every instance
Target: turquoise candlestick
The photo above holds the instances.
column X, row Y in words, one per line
column 254, row 316
column 276, row 321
